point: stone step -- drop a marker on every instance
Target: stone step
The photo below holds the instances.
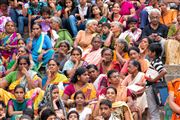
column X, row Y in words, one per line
column 171, row 77
column 173, row 69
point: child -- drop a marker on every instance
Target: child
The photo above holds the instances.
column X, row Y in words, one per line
column 84, row 112
column 105, row 30
column 2, row 111
column 54, row 8
column 73, row 115
column 44, row 20
column 154, row 53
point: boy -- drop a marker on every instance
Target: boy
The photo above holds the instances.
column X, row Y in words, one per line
column 106, row 109
column 154, row 53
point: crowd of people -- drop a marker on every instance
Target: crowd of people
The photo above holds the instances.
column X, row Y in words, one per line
column 88, row 59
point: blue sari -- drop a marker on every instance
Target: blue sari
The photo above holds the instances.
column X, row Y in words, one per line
column 39, row 44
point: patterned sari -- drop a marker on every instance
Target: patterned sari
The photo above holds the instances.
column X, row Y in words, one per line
column 5, row 40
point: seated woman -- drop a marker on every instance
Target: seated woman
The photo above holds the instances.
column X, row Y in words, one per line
column 136, row 77
column 53, row 76
column 107, row 63
column 74, row 62
column 174, row 27
column 8, row 41
column 52, row 99
column 62, row 54
column 84, row 38
column 57, row 34
column 40, row 45
column 143, row 47
column 134, row 54
column 17, row 105
column 80, row 82
column 121, row 51
column 93, row 55
column 174, row 98
column 99, row 81
column 23, row 76
column 84, row 112
column 22, row 51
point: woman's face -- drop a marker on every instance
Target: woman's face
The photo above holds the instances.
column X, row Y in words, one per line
column 116, row 8
column 10, row 28
column 21, row 51
column 53, row 24
column 73, row 116
column 144, row 43
column 162, row 6
column 36, row 30
column 92, row 27
column 52, row 117
column 119, row 46
column 55, row 93
column 75, row 56
column 79, row 99
column 96, row 43
column 178, row 18
column 111, row 95
column 107, row 55
column 115, row 28
column 134, row 55
column 84, row 77
column 52, row 66
column 23, row 64
column 95, row 10
column 114, row 78
column 19, row 94
column 69, row 3
column 21, row 43
column 63, row 48
column 131, row 68
column 93, row 74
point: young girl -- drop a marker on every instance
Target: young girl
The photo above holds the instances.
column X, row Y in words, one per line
column 45, row 19
column 55, row 8
column 96, row 14
column 84, row 112
column 17, row 105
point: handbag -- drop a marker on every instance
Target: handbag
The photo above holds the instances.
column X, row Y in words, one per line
column 160, row 91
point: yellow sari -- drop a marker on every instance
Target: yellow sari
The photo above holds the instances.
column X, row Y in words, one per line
column 88, row 90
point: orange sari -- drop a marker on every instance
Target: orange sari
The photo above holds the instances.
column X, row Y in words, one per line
column 174, row 86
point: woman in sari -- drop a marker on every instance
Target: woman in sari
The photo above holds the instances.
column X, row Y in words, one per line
column 53, row 75
column 84, row 38
column 74, row 62
column 16, row 106
column 143, row 47
column 106, row 63
column 174, row 98
column 53, row 100
column 99, row 81
column 134, row 54
column 9, row 41
column 93, row 55
column 80, row 82
column 136, row 79
column 40, row 45
column 23, row 76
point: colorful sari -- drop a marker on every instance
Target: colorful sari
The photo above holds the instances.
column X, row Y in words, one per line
column 8, row 40
column 174, row 86
column 40, row 44
column 88, row 89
